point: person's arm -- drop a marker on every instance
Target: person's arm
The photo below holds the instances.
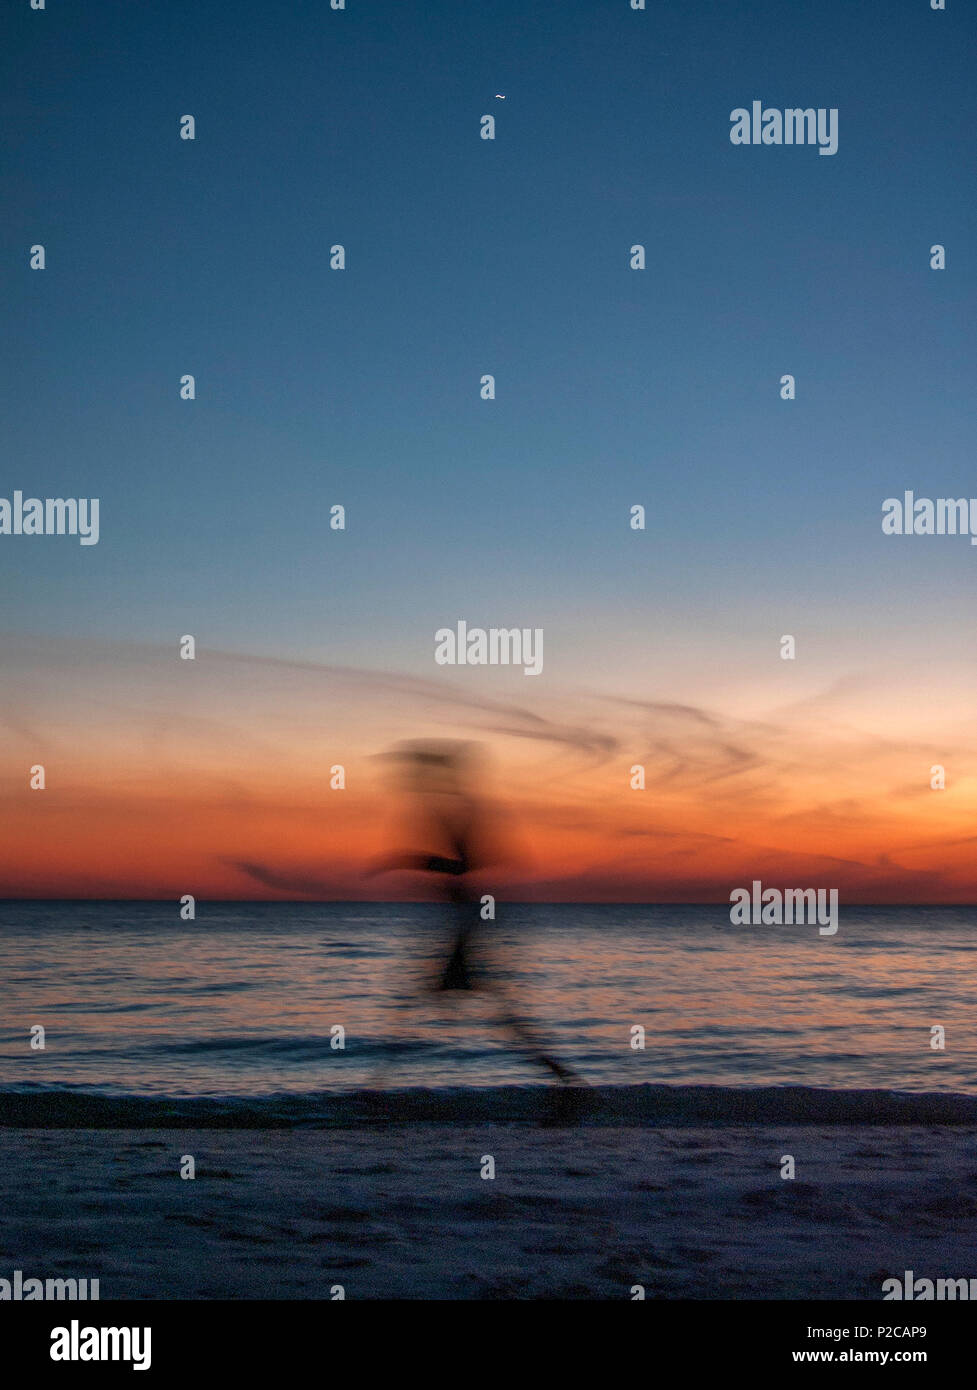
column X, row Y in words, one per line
column 411, row 861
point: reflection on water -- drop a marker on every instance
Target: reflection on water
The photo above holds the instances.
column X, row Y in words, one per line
column 243, row 1000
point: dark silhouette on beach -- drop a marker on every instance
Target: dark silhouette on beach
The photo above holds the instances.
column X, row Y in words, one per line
column 456, row 822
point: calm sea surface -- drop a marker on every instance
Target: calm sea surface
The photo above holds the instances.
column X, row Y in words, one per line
column 244, row 1000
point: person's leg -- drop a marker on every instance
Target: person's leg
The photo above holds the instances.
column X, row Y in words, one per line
column 524, row 1031
column 458, row 969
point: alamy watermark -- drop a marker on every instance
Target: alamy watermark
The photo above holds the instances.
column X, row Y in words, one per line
column 50, row 516
column 922, row 516
column 793, row 126
column 494, row 646
column 76, row 1343
column 21, row 1290
column 769, row 907
column 926, row 1290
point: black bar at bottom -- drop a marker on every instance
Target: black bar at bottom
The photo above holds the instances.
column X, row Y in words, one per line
column 469, row 1340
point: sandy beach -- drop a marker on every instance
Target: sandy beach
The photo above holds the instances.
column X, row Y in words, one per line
column 402, row 1211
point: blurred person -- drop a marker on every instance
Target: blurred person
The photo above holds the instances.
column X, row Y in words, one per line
column 462, row 839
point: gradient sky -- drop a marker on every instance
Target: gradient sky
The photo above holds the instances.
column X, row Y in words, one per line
column 614, row 387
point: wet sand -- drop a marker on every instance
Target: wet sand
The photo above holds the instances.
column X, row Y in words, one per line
column 403, row 1211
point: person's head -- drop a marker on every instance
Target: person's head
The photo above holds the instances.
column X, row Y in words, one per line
column 431, row 766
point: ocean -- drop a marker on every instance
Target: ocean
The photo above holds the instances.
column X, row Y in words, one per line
column 246, row 1006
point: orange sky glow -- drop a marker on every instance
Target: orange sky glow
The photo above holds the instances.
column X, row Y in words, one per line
column 213, row 778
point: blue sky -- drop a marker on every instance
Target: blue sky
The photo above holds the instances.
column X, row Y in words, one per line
column 465, row 257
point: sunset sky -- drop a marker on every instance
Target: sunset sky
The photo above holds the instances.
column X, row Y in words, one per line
column 614, row 387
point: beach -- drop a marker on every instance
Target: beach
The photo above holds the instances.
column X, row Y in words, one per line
column 360, row 1166
column 581, row 1212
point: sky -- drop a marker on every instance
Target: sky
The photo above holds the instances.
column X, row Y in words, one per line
column 614, row 387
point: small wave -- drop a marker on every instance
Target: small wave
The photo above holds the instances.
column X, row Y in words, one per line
column 35, row 1106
